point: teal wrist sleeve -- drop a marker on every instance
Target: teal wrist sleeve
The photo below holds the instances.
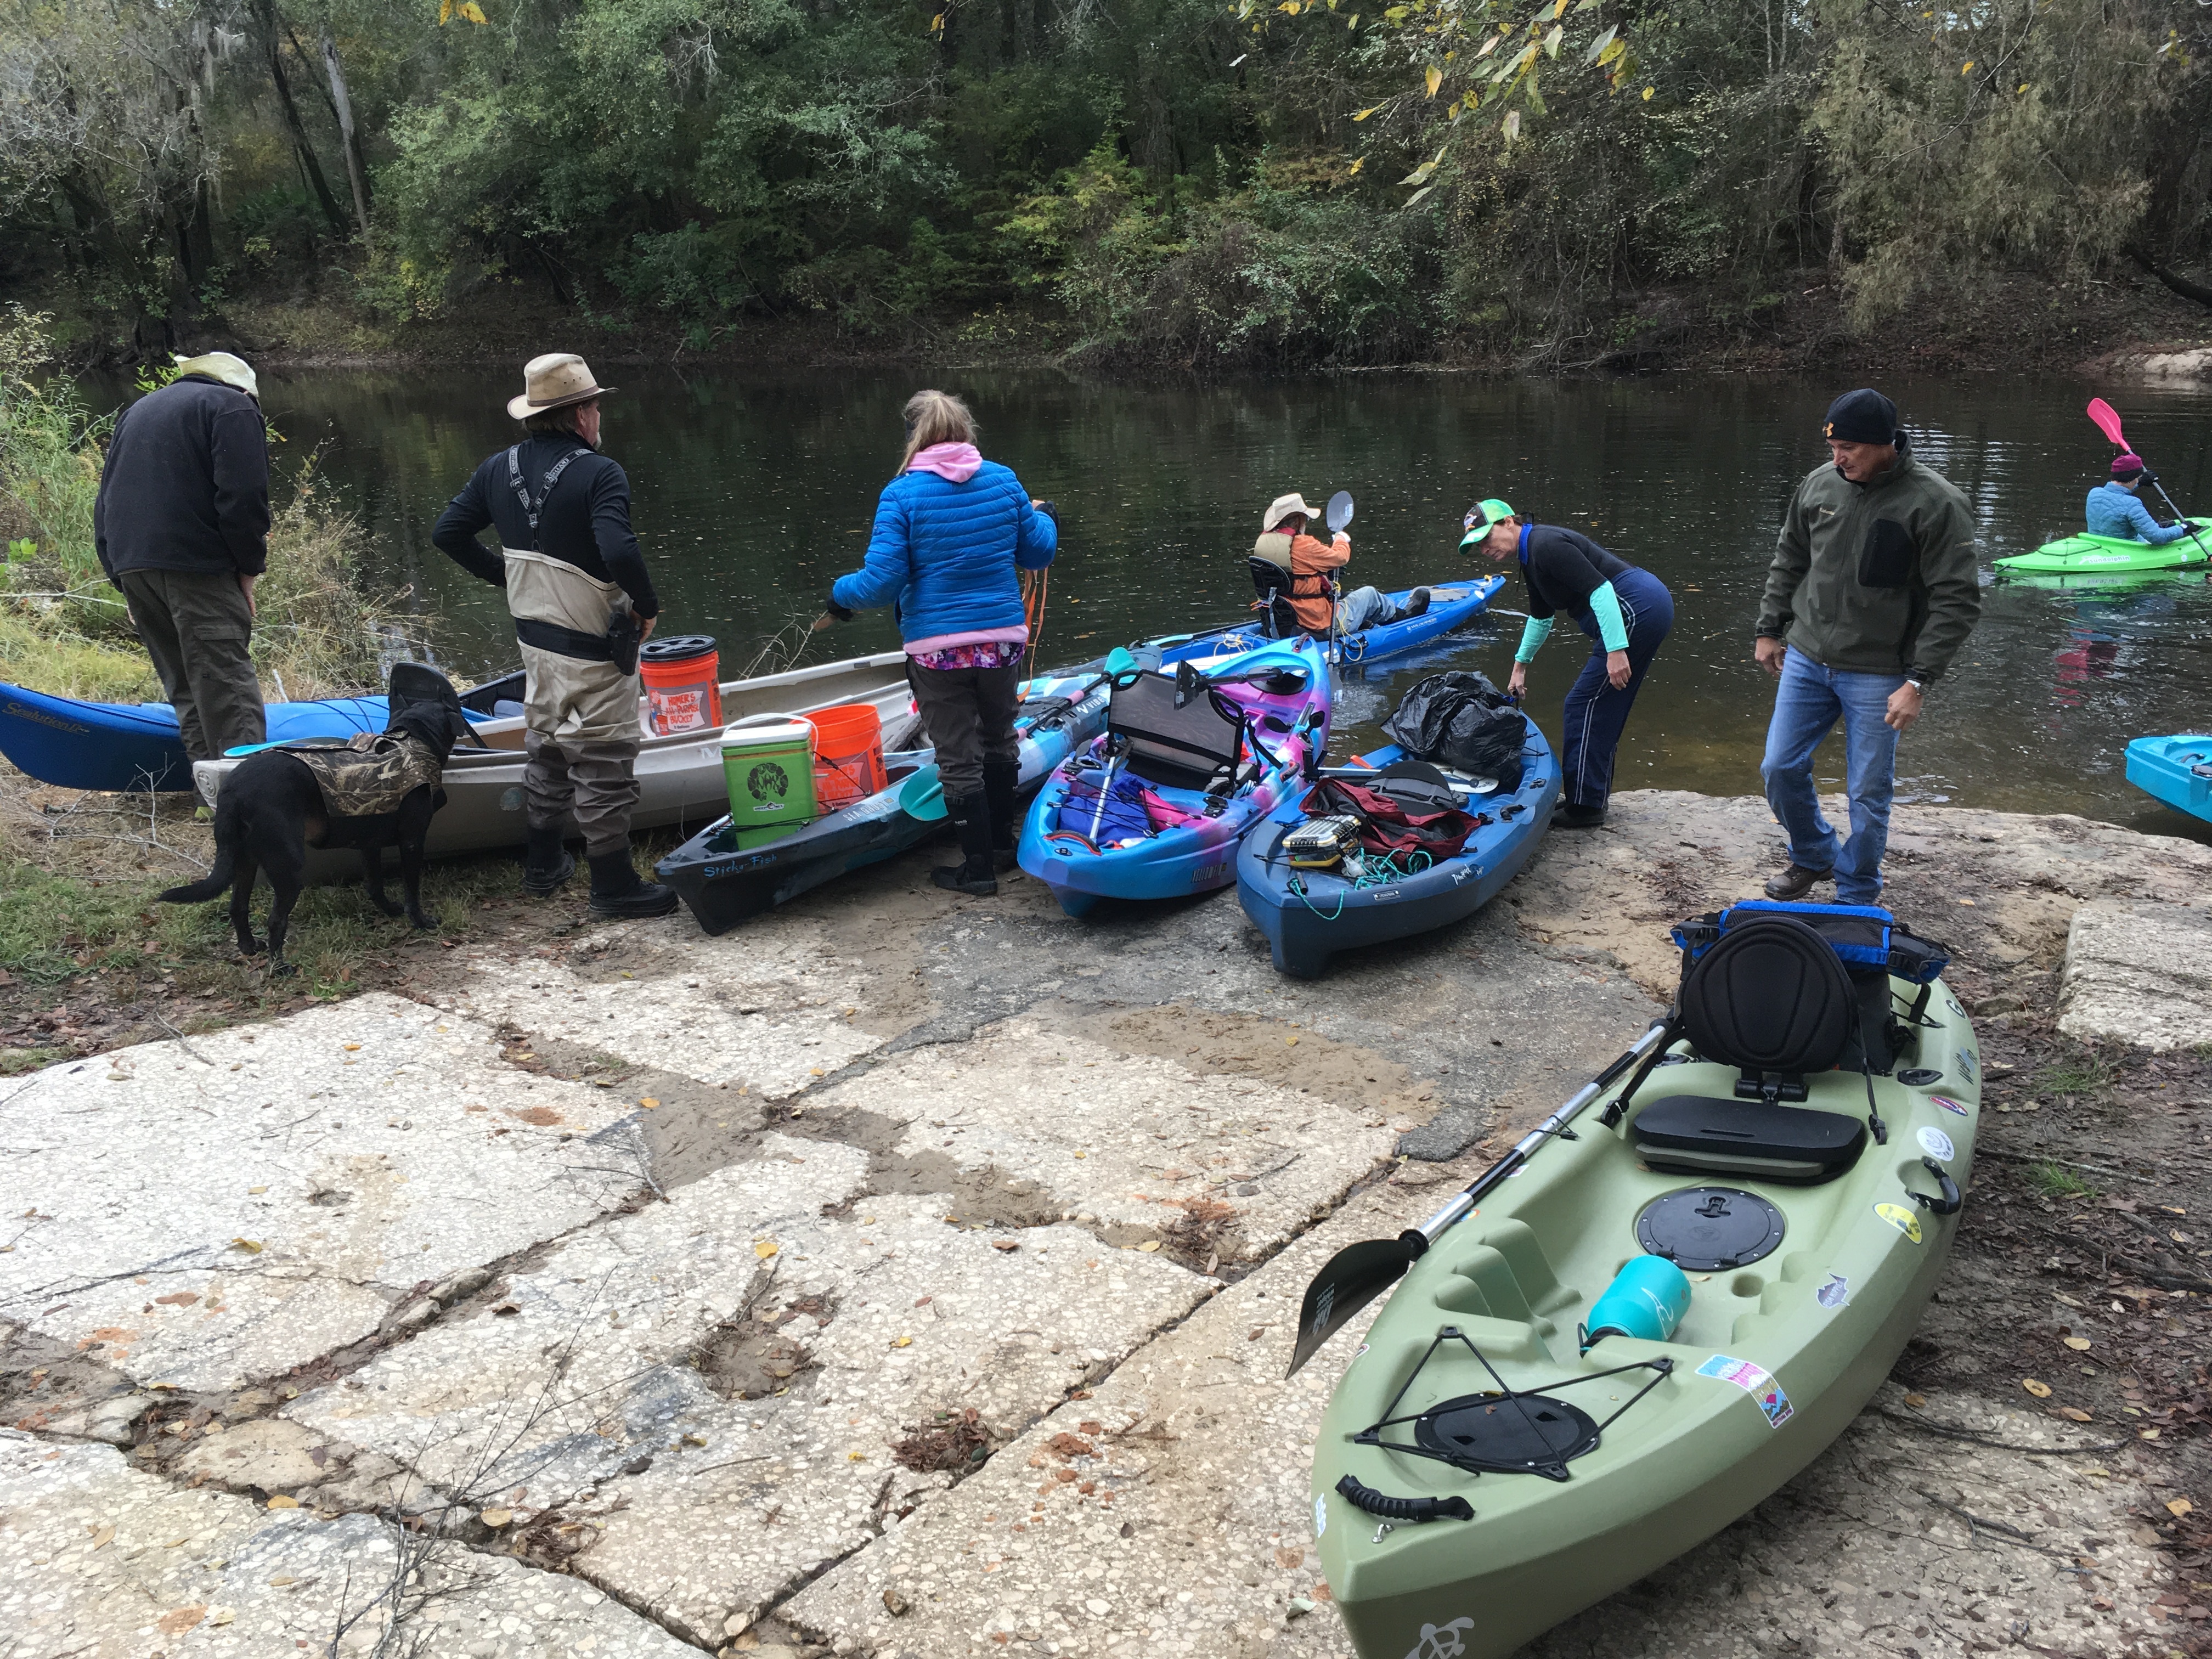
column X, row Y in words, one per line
column 1610, row 629
column 1533, row 633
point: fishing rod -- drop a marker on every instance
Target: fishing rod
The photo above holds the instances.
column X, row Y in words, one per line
column 2108, row 423
column 1356, row 1274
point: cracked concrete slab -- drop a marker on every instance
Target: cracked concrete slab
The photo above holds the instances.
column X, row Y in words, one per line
column 1137, row 1144
column 768, row 1012
column 100, row 1562
column 611, row 1379
column 202, row 1214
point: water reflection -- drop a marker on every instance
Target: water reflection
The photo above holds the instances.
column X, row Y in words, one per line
column 753, row 492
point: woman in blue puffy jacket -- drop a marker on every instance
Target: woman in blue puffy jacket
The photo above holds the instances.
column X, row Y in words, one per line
column 952, row 532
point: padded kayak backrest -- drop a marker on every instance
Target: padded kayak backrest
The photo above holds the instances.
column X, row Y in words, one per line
column 1770, row 997
column 1273, row 584
column 1186, row 746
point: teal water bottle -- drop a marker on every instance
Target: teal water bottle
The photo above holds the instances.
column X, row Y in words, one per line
column 1646, row 1299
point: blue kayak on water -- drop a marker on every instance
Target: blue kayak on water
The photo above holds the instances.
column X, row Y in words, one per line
column 1451, row 605
column 2176, row 769
column 1309, row 915
column 75, row 745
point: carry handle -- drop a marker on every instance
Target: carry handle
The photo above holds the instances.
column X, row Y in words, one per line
column 1402, row 1509
column 1950, row 1201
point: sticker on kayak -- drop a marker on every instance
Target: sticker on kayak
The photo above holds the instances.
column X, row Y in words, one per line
column 1901, row 1218
column 1836, row 1293
column 1754, row 1381
column 1966, row 1064
column 1936, row 1143
column 1949, row 1104
column 1442, row 1641
column 1321, row 1514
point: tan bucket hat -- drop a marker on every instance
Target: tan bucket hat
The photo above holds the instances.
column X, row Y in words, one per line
column 1283, row 506
column 554, row 381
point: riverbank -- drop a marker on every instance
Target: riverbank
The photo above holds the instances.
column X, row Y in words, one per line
column 671, row 1261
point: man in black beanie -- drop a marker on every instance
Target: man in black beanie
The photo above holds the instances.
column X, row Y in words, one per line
column 1873, row 590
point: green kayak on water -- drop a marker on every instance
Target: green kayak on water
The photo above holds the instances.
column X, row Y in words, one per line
column 1485, row 1469
column 2087, row 554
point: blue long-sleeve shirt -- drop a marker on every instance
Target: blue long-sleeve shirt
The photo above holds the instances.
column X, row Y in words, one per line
column 2113, row 510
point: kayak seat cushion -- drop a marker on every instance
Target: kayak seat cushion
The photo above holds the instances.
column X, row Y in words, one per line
column 1771, row 998
column 1185, row 743
column 1747, row 1138
column 1273, row 584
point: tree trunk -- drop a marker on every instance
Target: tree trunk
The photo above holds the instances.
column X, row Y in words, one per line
column 356, row 175
column 2178, row 284
column 265, row 12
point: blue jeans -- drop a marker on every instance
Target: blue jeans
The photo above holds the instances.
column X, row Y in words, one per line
column 1595, row 714
column 1807, row 705
column 1362, row 608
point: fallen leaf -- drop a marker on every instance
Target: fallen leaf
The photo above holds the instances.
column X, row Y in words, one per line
column 2073, row 1413
column 903, row 1342
column 281, row 1501
column 2079, row 1343
column 251, row 1245
column 1149, row 1245
column 1083, row 1155
column 353, row 1048
column 1915, row 1401
column 648, row 1102
column 2147, row 1434
column 1006, row 1244
column 281, row 1580
column 221, row 1616
column 1290, row 1042
column 252, row 1191
column 765, row 1248
column 2179, row 1506
column 103, row 1538
column 2040, row 1390
column 495, row 1518
column 177, row 1623
column 1966, row 900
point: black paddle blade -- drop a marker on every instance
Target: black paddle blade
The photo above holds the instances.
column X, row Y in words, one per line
column 1354, row 1276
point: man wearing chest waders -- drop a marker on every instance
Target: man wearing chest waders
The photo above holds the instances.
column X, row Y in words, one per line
column 582, row 603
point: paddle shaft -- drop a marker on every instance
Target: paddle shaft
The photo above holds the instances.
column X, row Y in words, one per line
column 1462, row 1204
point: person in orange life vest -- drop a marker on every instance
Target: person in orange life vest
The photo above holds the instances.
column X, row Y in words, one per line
column 1309, row 561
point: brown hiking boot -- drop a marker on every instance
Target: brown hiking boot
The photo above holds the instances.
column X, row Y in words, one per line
column 1795, row 881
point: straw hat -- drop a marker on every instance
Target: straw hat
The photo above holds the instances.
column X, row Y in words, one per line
column 1283, row 506
column 554, row 381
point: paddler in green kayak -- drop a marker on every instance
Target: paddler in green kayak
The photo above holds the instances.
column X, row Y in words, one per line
column 2113, row 508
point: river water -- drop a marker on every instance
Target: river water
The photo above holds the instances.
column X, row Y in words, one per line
column 753, row 493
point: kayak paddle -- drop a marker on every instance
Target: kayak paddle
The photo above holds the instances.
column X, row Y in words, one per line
column 2108, row 423
column 1336, row 516
column 1359, row 1272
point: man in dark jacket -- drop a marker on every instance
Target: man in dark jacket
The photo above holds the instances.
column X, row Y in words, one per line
column 181, row 526
column 1873, row 590
column 581, row 599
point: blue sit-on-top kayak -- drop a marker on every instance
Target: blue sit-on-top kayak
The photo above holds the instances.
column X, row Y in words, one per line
column 2177, row 770
column 1190, row 761
column 1309, row 915
column 139, row 745
column 1451, row 605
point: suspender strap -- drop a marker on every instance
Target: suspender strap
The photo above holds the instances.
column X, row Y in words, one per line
column 533, row 509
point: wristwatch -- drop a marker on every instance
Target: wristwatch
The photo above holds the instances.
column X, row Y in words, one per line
column 1917, row 685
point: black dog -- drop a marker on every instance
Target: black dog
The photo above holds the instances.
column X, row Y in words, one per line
column 273, row 809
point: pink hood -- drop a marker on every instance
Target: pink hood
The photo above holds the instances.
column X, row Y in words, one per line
column 954, row 463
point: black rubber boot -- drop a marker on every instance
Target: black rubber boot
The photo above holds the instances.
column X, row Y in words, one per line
column 973, row 874
column 546, row 865
column 999, row 778
column 1572, row 816
column 616, row 891
column 1417, row 604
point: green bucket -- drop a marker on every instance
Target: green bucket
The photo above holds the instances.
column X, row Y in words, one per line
column 768, row 761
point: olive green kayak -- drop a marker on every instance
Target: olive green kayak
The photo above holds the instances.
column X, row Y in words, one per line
column 1478, row 1478
column 2087, row 554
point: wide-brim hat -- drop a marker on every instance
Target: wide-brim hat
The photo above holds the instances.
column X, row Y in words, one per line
column 554, row 381
column 1284, row 507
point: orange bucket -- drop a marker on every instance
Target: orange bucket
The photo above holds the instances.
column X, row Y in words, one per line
column 848, row 755
column 683, row 683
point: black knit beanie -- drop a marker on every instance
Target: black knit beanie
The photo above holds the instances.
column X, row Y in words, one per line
column 1864, row 416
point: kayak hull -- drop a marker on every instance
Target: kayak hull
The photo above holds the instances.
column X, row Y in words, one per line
column 680, row 776
column 723, row 885
column 1820, row 1321
column 122, row 747
column 1451, row 605
column 1195, row 857
column 1304, row 930
column 2177, row 770
column 2087, row 554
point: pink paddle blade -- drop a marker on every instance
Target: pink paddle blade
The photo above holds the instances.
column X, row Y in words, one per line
column 2107, row 419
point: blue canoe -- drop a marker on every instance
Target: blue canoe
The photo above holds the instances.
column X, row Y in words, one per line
column 1451, row 605
column 2177, row 770
column 137, row 746
column 1309, row 915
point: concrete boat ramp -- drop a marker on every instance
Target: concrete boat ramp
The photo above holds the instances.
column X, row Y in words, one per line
column 900, row 1275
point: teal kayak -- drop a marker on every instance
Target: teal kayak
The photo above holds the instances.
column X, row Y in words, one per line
column 2087, row 554
column 2177, row 770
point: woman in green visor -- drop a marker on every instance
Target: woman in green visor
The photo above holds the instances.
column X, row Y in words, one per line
column 1625, row 611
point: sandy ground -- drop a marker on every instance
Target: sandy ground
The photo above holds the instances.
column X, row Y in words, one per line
column 913, row 1274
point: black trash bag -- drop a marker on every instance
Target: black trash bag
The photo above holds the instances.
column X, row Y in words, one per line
column 1462, row 721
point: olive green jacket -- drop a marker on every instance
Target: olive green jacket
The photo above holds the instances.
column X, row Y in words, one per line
column 1877, row 578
